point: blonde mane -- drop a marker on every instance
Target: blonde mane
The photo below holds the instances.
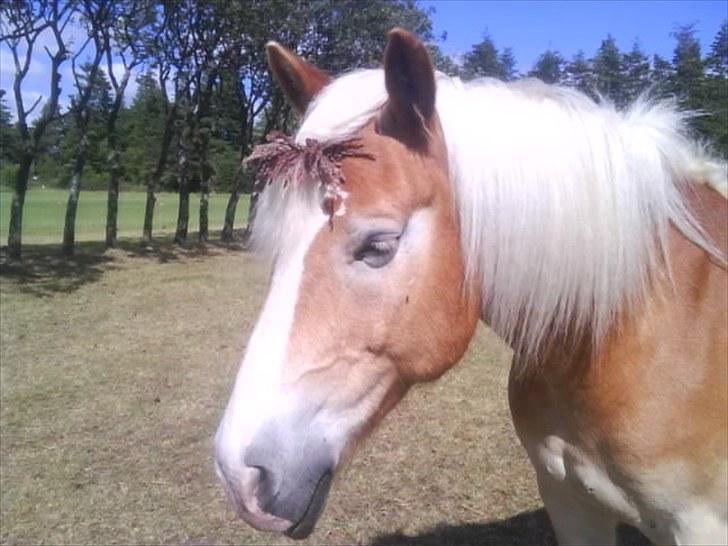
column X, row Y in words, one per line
column 564, row 204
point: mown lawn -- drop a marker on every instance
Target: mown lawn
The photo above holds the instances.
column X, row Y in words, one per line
column 45, row 211
column 115, row 368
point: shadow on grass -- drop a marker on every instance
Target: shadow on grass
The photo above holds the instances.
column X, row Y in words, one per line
column 532, row 528
column 44, row 270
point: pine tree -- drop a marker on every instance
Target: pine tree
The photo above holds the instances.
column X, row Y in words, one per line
column 608, row 71
column 578, row 73
column 549, row 67
column 714, row 125
column 483, row 60
column 143, row 124
column 508, row 63
column 636, row 72
column 718, row 59
column 443, row 62
column 8, row 137
column 661, row 76
column 689, row 69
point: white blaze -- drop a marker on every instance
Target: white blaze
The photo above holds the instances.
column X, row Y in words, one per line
column 257, row 394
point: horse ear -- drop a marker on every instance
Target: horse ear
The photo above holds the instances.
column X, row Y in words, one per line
column 299, row 80
column 410, row 80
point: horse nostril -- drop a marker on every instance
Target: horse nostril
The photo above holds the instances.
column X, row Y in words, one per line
column 266, row 489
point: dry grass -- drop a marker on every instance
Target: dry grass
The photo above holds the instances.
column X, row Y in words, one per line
column 115, row 371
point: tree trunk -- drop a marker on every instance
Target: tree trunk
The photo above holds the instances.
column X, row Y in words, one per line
column 227, row 229
column 157, row 175
column 207, row 181
column 112, row 207
column 183, row 216
column 204, row 202
column 252, row 210
column 149, row 212
column 69, row 228
column 15, row 231
column 183, row 212
column 112, row 203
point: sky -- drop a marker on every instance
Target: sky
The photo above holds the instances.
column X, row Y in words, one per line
column 532, row 27
column 528, row 27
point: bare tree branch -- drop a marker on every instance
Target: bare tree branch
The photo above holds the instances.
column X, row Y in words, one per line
column 37, row 101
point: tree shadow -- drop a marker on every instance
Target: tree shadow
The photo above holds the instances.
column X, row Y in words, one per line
column 532, row 528
column 43, row 270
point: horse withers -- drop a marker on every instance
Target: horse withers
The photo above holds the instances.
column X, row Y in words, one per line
column 410, row 205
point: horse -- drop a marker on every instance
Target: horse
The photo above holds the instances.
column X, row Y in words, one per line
column 409, row 206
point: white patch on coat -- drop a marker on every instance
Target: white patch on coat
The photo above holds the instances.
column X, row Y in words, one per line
column 258, row 394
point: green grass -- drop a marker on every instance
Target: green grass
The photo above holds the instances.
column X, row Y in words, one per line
column 45, row 211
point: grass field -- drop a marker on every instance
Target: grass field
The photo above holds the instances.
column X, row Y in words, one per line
column 115, row 368
column 45, row 211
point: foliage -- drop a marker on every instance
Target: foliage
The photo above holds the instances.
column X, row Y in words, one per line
column 579, row 73
column 484, row 60
column 142, row 125
column 636, row 75
column 608, row 71
column 549, row 67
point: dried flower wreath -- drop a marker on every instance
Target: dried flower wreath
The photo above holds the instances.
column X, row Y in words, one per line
column 282, row 159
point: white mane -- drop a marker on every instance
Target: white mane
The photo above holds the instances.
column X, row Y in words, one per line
column 564, row 204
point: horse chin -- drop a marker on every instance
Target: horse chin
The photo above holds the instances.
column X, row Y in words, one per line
column 305, row 526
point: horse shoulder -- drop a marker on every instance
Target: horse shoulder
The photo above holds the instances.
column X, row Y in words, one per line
column 639, row 428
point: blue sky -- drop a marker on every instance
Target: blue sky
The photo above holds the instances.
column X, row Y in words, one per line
column 528, row 27
column 532, row 27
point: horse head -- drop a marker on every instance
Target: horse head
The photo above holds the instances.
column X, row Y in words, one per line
column 367, row 294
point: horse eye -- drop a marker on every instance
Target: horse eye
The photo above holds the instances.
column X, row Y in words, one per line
column 377, row 251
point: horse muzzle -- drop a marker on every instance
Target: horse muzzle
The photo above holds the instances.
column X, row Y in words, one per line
column 278, row 482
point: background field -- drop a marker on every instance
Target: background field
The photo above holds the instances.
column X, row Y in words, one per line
column 114, row 371
column 45, row 211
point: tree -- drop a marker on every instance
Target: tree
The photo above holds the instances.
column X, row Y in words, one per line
column 197, row 26
column 718, row 59
column 8, row 134
column 172, row 51
column 661, row 75
column 483, row 60
column 608, row 71
column 578, row 73
column 636, row 68
column 508, row 64
column 68, row 138
column 143, row 125
column 335, row 35
column 688, row 64
column 164, row 68
column 443, row 62
column 549, row 67
column 22, row 25
column 132, row 18
column 95, row 16
column 714, row 125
